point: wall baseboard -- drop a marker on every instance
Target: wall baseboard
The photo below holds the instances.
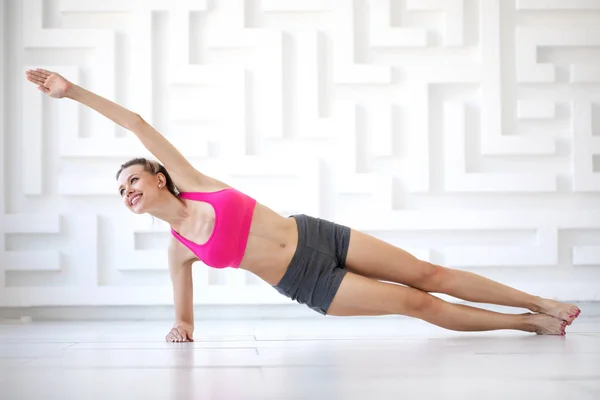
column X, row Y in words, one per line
column 204, row 312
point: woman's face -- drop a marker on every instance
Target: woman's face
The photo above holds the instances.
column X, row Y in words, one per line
column 138, row 188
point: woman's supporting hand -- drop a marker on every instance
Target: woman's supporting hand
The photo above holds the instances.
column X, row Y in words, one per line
column 50, row 83
column 181, row 332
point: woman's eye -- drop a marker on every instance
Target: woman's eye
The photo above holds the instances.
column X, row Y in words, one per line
column 133, row 180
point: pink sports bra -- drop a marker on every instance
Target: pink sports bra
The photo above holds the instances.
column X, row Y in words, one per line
column 233, row 216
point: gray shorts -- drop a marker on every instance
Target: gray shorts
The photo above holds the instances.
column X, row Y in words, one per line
column 317, row 267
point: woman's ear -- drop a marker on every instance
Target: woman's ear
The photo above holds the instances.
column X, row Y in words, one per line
column 161, row 180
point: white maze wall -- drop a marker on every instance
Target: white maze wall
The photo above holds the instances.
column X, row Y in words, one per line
column 467, row 132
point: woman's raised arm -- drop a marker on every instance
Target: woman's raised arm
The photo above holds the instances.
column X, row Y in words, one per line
column 185, row 176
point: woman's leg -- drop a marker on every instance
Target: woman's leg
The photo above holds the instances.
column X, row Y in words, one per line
column 359, row 296
column 374, row 258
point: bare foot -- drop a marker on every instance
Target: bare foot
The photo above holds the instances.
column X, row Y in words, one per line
column 546, row 325
column 564, row 311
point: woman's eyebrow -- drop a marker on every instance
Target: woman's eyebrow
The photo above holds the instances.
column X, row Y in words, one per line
column 121, row 186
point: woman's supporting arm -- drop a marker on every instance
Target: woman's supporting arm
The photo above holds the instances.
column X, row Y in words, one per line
column 183, row 289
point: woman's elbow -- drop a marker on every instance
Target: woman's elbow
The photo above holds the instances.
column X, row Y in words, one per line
column 134, row 122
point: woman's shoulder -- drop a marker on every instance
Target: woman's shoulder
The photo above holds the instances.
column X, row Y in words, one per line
column 202, row 185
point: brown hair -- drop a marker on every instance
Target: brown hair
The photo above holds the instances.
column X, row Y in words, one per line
column 152, row 167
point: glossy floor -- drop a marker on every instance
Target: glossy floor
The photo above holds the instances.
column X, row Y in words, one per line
column 322, row 358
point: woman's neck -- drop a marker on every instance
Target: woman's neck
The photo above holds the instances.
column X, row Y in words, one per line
column 172, row 210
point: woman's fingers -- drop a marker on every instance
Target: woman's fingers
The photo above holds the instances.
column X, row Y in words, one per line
column 179, row 335
column 42, row 73
column 37, row 74
column 172, row 337
column 182, row 334
column 187, row 336
column 35, row 79
column 43, row 89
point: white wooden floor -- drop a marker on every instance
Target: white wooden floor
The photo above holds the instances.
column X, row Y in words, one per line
column 323, row 358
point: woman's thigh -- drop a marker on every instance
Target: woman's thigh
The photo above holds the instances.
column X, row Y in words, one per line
column 361, row 296
column 374, row 258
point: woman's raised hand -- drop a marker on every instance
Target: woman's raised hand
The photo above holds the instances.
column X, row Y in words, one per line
column 49, row 82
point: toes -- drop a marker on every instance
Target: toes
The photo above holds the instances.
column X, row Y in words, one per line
column 563, row 326
column 573, row 315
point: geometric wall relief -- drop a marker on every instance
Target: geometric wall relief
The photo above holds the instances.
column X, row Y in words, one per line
column 464, row 132
column 2, row 141
column 455, row 170
column 586, row 146
column 554, row 5
column 47, row 255
column 31, row 260
column 581, row 72
column 494, row 141
column 529, row 40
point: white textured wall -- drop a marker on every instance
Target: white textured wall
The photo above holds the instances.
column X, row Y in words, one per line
column 467, row 132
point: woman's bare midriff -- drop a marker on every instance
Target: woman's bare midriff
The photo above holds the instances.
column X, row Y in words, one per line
column 271, row 242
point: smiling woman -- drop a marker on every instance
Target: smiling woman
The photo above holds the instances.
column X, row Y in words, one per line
column 141, row 173
column 333, row 269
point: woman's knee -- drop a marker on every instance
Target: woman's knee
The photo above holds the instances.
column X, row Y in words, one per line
column 432, row 277
column 420, row 303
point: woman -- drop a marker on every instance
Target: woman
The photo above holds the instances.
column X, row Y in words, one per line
column 333, row 269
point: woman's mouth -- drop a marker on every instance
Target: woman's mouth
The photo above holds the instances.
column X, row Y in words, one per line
column 136, row 199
